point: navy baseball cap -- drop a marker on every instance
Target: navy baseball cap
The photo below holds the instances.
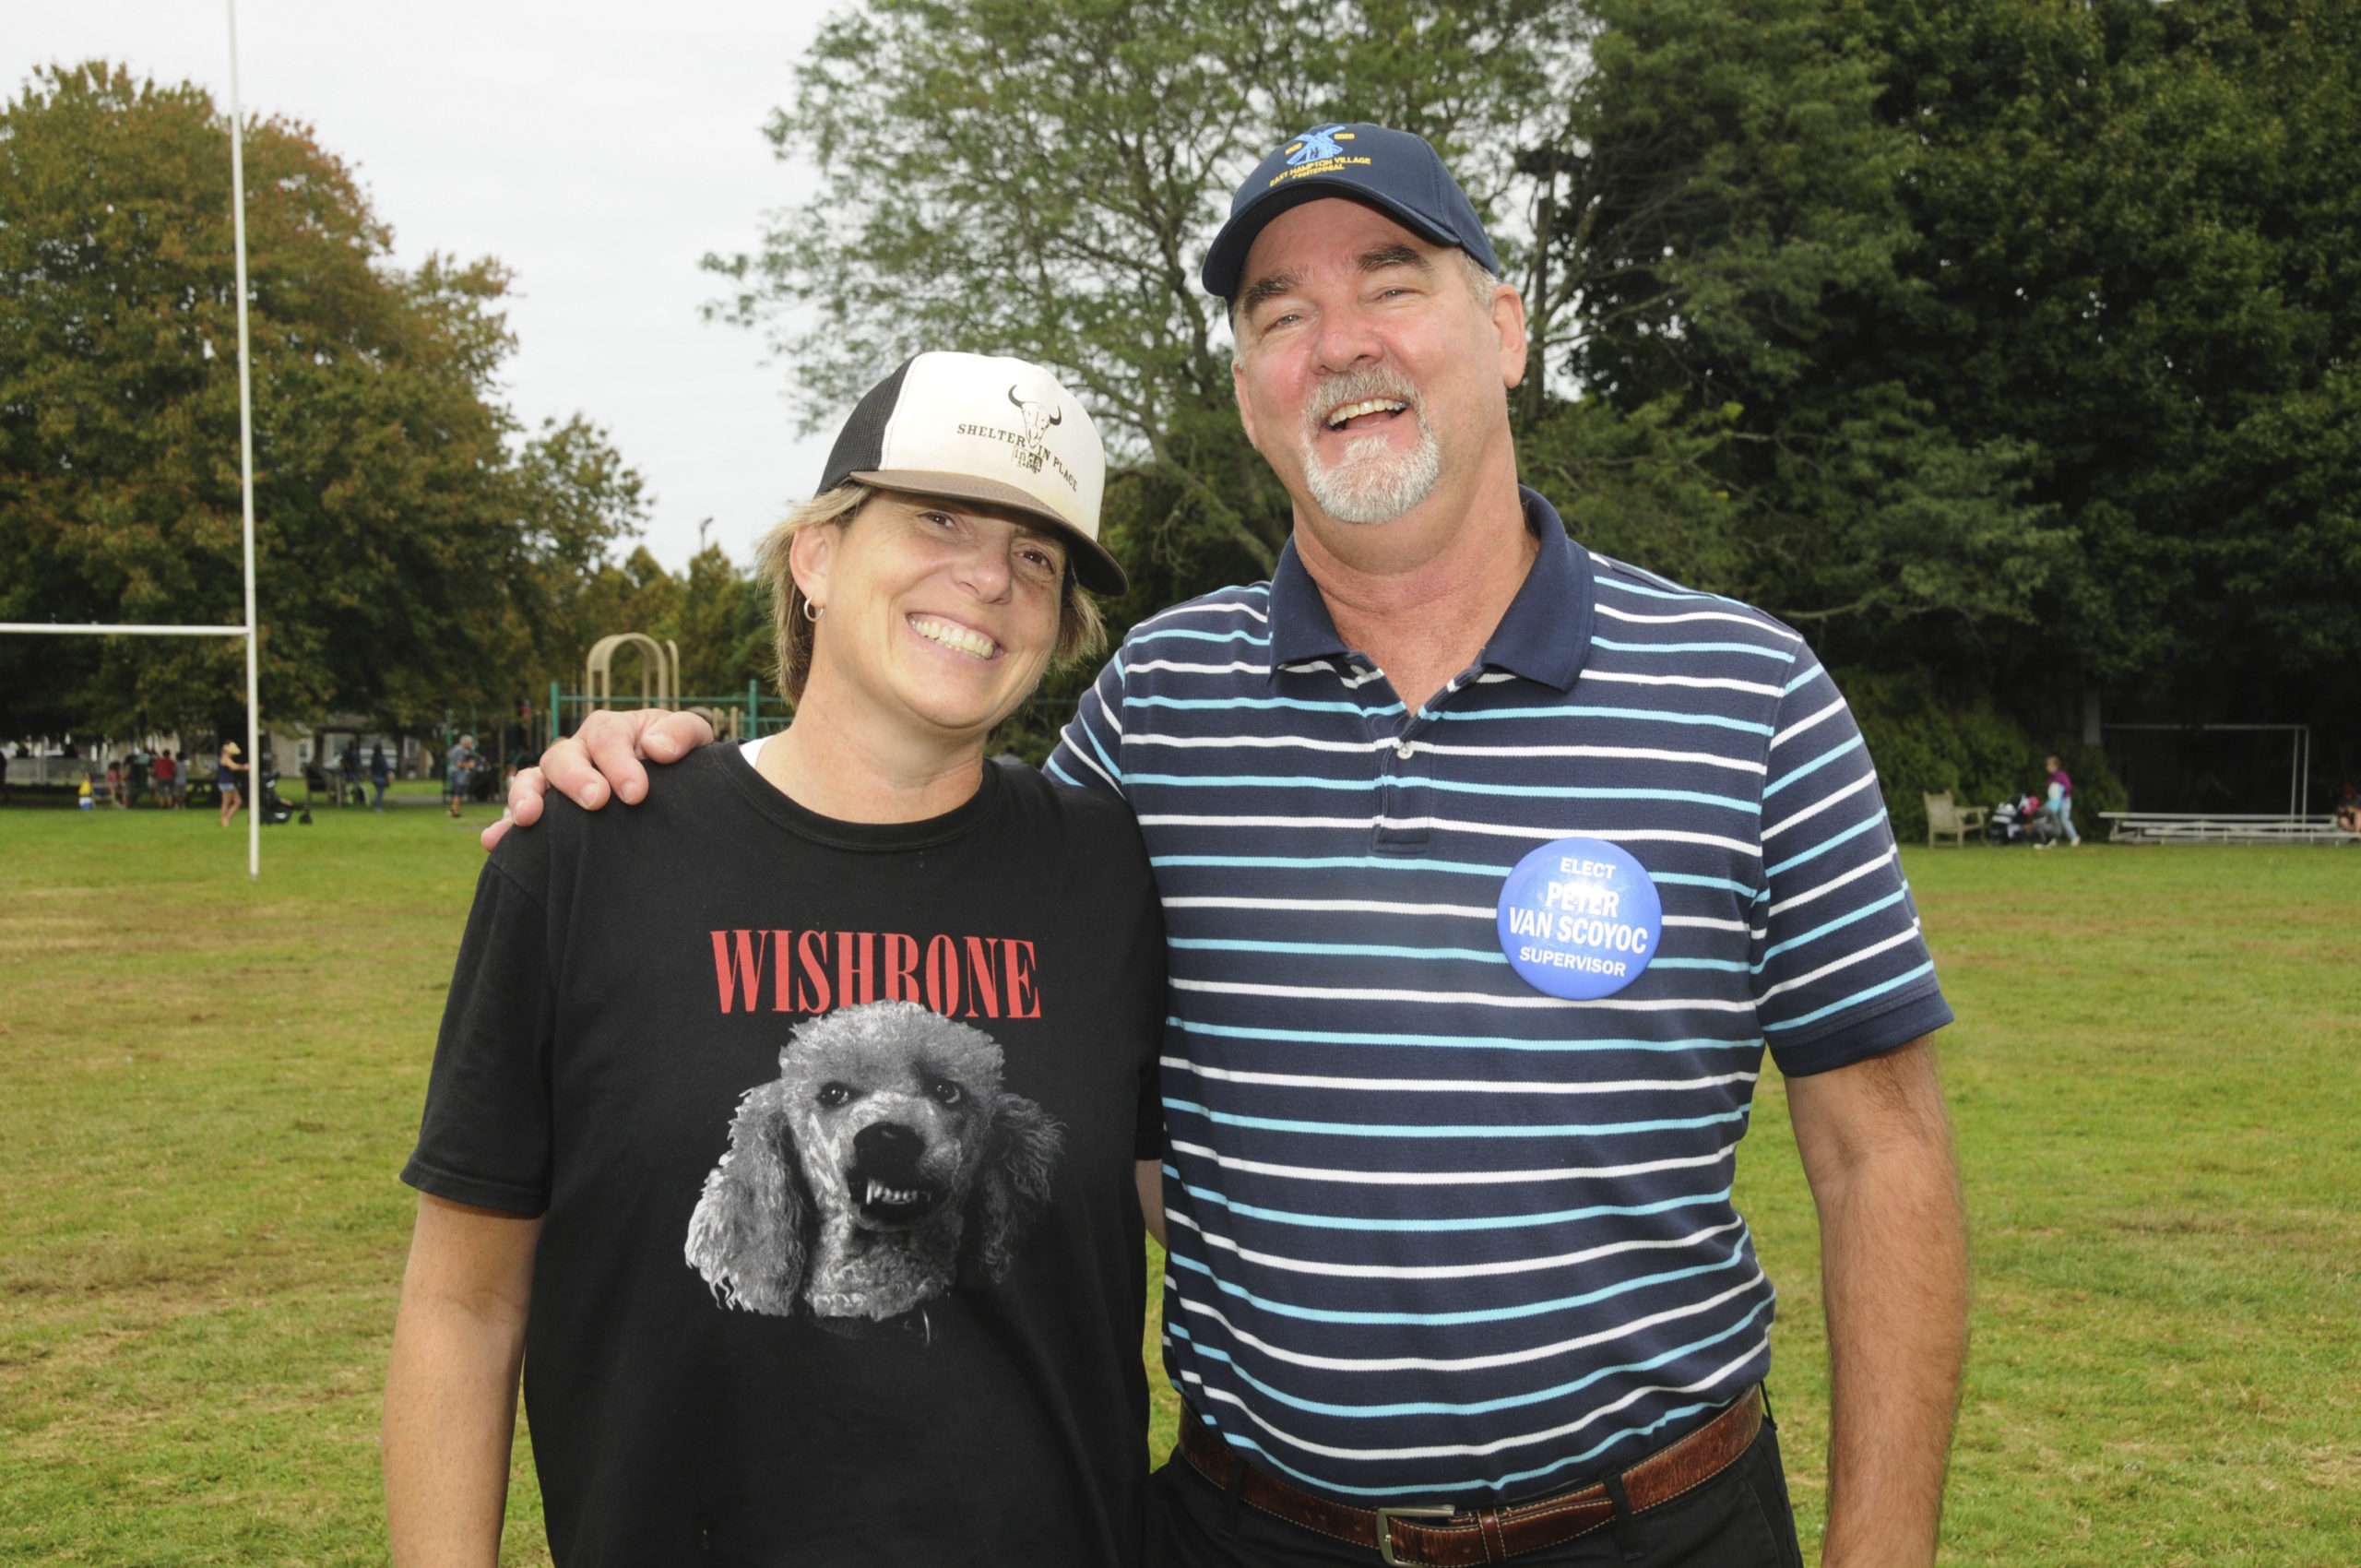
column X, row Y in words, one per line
column 1395, row 172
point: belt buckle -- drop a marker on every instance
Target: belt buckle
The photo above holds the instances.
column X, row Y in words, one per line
column 1385, row 1517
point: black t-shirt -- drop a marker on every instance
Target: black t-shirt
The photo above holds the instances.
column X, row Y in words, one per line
column 834, row 1127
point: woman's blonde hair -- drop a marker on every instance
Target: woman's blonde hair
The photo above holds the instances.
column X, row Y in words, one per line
column 1080, row 631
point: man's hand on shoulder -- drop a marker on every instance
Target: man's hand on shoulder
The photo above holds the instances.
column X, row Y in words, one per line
column 600, row 759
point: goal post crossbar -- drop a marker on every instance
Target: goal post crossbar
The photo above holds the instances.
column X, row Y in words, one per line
column 97, row 630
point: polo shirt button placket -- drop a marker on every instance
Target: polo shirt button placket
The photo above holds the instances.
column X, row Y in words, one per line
column 1406, row 800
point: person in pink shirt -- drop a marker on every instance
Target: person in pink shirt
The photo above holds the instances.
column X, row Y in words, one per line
column 2061, row 798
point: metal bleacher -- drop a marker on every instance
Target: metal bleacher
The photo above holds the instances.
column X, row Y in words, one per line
column 2211, row 827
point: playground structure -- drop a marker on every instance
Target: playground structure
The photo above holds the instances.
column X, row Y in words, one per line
column 735, row 716
column 660, row 670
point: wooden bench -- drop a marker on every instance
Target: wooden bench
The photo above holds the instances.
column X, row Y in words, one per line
column 1956, row 821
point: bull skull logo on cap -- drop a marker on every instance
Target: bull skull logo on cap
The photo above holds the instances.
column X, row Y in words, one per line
column 1038, row 418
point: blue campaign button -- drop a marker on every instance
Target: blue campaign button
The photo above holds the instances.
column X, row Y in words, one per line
column 1580, row 919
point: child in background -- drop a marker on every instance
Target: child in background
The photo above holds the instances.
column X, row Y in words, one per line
column 2061, row 800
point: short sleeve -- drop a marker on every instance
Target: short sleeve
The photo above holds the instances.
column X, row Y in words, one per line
column 485, row 1136
column 1090, row 751
column 1841, row 971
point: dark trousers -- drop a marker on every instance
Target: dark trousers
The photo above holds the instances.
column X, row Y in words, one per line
column 1739, row 1519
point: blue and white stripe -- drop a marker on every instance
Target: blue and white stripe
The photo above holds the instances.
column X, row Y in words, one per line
column 1436, row 1235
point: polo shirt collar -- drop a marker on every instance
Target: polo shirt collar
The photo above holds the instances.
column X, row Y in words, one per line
column 1543, row 637
column 1301, row 628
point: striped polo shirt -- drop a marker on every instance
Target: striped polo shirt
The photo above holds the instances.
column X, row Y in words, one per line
column 1436, row 1235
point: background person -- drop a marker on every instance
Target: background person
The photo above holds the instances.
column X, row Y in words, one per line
column 380, row 772
column 230, row 779
column 789, row 1129
column 2061, row 804
column 168, row 780
column 458, row 772
column 1437, row 1238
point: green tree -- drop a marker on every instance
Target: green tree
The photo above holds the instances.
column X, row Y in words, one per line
column 573, row 501
column 723, row 627
column 1042, row 178
column 1722, row 213
column 2009, row 339
column 408, row 559
column 1685, row 191
column 2019, row 335
column 2139, row 255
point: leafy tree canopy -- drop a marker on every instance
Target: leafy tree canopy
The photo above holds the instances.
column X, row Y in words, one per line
column 413, row 551
column 1042, row 179
column 2009, row 339
column 2020, row 334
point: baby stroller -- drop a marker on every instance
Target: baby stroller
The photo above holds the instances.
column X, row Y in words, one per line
column 275, row 811
column 2022, row 819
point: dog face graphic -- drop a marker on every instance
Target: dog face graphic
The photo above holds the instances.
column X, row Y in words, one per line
column 855, row 1178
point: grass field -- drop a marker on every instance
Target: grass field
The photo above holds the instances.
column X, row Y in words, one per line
column 206, row 1087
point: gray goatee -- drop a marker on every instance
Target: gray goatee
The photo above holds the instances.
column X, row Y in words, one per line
column 1370, row 483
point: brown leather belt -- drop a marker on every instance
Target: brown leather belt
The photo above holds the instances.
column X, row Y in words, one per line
column 1445, row 1538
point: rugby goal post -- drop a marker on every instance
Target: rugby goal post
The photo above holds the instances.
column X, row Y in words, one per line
column 245, row 489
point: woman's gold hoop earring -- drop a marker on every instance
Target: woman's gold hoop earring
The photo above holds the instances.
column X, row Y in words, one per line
column 813, row 611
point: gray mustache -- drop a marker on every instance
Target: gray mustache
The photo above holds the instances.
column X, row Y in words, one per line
column 1357, row 386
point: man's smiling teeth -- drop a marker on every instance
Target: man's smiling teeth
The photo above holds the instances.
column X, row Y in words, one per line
column 881, row 1194
column 951, row 636
column 1337, row 418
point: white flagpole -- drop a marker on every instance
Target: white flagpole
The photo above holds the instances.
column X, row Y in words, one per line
column 246, row 465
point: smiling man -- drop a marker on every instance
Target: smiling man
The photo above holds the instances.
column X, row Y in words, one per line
column 1491, row 868
column 1448, row 1197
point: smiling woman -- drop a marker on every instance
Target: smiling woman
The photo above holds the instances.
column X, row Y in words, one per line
column 924, row 592
column 799, row 1121
column 1035, row 556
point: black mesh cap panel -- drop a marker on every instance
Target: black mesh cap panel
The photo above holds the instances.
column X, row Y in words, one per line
column 861, row 444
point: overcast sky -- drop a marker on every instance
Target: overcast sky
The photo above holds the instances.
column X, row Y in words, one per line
column 598, row 148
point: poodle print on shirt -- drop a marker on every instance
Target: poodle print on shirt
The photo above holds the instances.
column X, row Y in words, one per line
column 856, row 1179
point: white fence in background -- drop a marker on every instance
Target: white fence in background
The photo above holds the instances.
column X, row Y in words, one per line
column 52, row 769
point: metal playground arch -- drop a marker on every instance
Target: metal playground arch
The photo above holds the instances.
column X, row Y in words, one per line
column 735, row 716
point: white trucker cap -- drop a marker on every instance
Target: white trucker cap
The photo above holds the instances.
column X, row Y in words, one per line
column 984, row 427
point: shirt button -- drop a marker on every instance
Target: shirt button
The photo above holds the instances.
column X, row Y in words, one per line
column 1402, row 748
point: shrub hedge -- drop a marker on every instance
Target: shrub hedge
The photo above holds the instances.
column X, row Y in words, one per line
column 1971, row 750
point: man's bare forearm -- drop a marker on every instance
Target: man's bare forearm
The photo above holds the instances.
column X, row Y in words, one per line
column 1894, row 1276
